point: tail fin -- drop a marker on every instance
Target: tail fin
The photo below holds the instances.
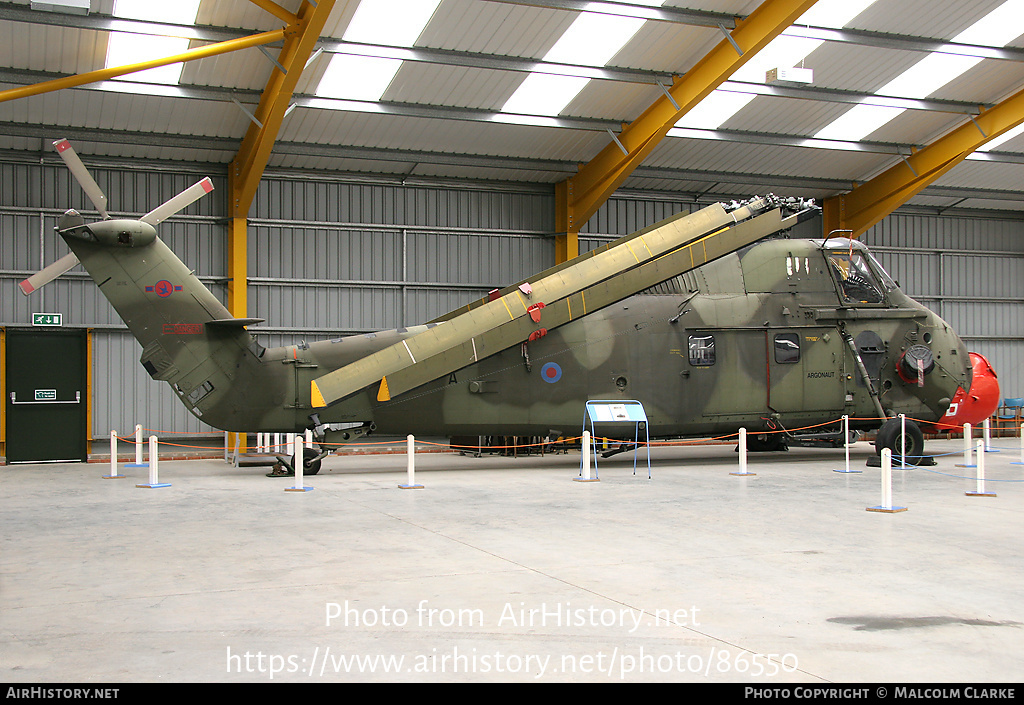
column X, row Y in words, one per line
column 188, row 338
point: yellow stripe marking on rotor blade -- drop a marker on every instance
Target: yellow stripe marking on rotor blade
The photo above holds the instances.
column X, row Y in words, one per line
column 644, row 243
column 316, row 397
column 507, row 308
column 383, row 394
column 632, row 253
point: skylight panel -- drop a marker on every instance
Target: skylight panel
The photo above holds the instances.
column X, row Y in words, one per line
column 998, row 28
column 592, row 39
column 176, row 12
column 782, row 52
column 544, row 94
column 1005, row 137
column 125, row 49
column 390, row 22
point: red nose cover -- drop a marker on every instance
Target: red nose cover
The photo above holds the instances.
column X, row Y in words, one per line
column 975, row 406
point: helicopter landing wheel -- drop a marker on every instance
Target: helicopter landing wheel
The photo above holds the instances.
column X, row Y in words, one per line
column 891, row 436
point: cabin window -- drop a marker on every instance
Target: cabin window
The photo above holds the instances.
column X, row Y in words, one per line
column 787, row 348
column 702, row 350
column 856, row 280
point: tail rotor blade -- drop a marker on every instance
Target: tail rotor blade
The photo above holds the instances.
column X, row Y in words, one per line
column 179, row 202
column 88, row 184
column 49, row 273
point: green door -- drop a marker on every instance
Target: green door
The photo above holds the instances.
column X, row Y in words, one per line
column 46, row 396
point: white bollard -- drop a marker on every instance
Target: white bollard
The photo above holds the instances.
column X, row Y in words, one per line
column 585, row 460
column 154, row 481
column 743, row 455
column 410, row 467
column 987, row 435
column 903, row 444
column 139, row 462
column 1021, row 461
column 113, row 459
column 967, row 448
column 298, row 462
column 886, row 505
column 846, row 445
column 980, row 491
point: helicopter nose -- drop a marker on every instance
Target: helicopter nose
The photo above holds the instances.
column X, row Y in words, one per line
column 979, row 403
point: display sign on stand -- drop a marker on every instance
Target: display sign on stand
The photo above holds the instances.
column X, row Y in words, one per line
column 605, row 412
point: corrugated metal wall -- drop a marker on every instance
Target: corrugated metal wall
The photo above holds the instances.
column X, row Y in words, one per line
column 330, row 256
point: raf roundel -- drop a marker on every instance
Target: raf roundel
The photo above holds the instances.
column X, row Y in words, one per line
column 551, row 372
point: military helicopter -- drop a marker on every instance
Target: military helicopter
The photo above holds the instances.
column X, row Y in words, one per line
column 715, row 320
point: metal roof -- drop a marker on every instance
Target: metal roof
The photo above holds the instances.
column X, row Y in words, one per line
column 441, row 115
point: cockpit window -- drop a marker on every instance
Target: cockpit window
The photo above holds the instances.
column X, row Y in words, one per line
column 856, row 280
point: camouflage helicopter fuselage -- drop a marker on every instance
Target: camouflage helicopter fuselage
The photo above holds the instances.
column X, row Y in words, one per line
column 786, row 333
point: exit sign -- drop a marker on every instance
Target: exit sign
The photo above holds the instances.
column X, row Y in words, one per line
column 47, row 319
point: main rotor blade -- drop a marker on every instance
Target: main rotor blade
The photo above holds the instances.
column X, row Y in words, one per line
column 179, row 202
column 85, row 180
column 48, row 274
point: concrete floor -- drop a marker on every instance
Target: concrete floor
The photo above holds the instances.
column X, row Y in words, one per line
column 506, row 569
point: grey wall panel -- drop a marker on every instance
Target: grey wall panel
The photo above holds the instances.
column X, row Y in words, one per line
column 464, row 258
column 423, row 305
column 626, row 215
column 987, row 320
column 320, row 201
column 297, row 253
column 992, row 276
column 929, row 232
column 325, row 308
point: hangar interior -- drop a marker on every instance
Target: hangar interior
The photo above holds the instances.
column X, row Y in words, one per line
column 377, row 163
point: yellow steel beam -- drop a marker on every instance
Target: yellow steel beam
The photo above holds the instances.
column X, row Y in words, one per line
column 870, row 202
column 276, row 10
column 254, row 152
column 567, row 239
column 598, row 179
column 115, row 71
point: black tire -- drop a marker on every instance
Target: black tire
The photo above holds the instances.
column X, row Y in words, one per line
column 766, row 442
column 309, row 465
column 890, row 436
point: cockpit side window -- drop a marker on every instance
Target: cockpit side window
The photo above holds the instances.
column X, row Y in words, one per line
column 856, row 280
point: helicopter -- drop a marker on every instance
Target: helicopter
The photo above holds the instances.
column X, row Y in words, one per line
column 716, row 320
